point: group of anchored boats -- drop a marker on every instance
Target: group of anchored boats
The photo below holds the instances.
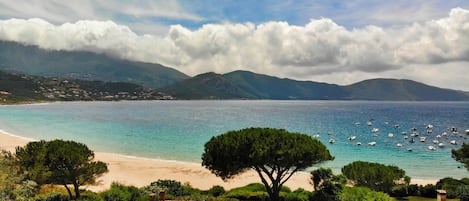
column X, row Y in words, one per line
column 449, row 136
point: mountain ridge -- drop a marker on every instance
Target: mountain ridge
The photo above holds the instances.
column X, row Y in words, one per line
column 33, row 60
column 249, row 85
column 240, row 84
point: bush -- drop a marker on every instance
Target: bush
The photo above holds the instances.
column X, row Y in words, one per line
column 363, row 194
column 299, row 195
column 398, row 191
column 119, row 192
column 450, row 185
column 404, row 191
column 463, row 193
column 172, row 187
column 375, row 176
column 428, row 191
column 54, row 196
column 216, row 191
column 255, row 192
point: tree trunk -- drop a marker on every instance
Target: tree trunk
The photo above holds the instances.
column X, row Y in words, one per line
column 69, row 192
column 77, row 189
column 275, row 195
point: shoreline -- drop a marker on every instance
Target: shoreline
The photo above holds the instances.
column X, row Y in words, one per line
column 139, row 172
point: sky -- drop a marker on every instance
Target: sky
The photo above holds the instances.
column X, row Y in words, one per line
column 333, row 41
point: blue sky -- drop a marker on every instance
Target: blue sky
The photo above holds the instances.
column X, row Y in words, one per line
column 331, row 41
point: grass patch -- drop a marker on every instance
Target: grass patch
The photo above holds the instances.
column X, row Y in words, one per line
column 417, row 198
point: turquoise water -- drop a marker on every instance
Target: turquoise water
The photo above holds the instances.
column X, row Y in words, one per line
column 177, row 130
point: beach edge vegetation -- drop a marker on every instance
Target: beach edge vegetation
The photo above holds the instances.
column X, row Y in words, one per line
column 275, row 154
column 60, row 162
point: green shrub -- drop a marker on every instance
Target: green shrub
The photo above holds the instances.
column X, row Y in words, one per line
column 173, row 188
column 53, row 196
column 450, row 185
column 90, row 196
column 428, row 191
column 299, row 195
column 399, row 191
column 216, row 191
column 119, row 192
column 255, row 191
column 463, row 193
column 363, row 194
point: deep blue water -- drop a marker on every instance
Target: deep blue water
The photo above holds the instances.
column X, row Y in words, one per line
column 177, row 130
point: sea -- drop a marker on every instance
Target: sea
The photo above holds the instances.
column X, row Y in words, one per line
column 178, row 130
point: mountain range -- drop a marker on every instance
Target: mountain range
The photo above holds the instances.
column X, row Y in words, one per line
column 32, row 60
column 249, row 85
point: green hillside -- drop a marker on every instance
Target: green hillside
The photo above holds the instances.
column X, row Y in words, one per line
column 15, row 57
column 19, row 88
column 248, row 85
column 401, row 90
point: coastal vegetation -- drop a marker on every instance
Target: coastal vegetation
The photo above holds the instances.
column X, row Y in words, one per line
column 46, row 171
column 60, row 162
column 375, row 176
column 20, row 88
column 462, row 155
column 275, row 154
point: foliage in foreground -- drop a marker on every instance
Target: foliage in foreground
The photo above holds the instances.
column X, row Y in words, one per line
column 275, row 154
column 375, row 176
column 462, row 155
column 363, row 194
column 60, row 162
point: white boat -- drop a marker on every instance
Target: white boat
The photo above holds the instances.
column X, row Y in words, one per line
column 359, row 143
column 332, row 141
column 453, row 142
column 390, row 134
column 409, row 149
column 429, row 131
column 444, row 134
column 422, row 139
column 396, row 126
column 357, row 123
column 431, row 148
column 375, row 130
column 369, row 123
column 441, row 144
column 438, row 136
column 406, row 137
column 429, row 126
column 353, row 137
column 316, row 136
column 399, row 145
column 414, row 134
column 467, row 131
column 371, row 143
column 436, row 141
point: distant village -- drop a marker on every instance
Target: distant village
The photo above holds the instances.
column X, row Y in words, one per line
column 62, row 89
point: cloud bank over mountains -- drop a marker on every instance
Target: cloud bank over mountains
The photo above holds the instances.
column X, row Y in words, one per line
column 320, row 50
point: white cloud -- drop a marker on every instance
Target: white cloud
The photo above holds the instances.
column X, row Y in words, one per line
column 320, row 49
column 131, row 13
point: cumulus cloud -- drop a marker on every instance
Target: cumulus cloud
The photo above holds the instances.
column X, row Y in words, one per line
column 319, row 48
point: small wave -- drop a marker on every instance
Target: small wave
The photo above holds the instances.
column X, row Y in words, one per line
column 17, row 136
column 148, row 159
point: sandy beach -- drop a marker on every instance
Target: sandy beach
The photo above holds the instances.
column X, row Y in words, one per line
column 141, row 172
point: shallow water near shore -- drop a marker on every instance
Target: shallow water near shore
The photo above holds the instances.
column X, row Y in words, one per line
column 177, row 130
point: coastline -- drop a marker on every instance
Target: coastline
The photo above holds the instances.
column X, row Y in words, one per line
column 139, row 172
